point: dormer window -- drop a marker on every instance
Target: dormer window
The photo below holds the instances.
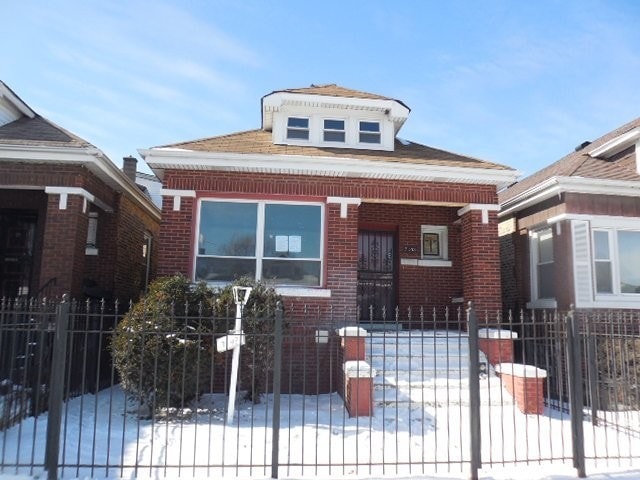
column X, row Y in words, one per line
column 369, row 132
column 298, row 128
column 334, row 131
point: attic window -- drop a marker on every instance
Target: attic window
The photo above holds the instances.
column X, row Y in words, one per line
column 298, row 128
column 334, row 131
column 369, row 132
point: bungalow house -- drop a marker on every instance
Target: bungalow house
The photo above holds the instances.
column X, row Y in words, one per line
column 570, row 233
column 328, row 204
column 70, row 220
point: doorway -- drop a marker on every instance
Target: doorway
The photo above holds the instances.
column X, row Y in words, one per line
column 377, row 276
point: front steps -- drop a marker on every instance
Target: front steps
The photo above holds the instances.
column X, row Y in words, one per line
column 429, row 368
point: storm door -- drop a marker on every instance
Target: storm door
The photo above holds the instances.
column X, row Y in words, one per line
column 376, row 276
column 17, row 236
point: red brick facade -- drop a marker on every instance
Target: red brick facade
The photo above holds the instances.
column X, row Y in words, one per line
column 61, row 233
column 399, row 206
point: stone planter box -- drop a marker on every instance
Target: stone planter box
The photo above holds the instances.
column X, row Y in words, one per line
column 526, row 384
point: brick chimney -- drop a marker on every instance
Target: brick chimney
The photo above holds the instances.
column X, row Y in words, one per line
column 129, row 167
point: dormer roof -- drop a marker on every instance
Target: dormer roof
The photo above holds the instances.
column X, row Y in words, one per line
column 332, row 96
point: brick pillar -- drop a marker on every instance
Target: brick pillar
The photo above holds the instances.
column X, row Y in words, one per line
column 352, row 343
column 342, row 258
column 63, row 251
column 526, row 384
column 481, row 260
column 496, row 344
column 174, row 239
column 359, row 388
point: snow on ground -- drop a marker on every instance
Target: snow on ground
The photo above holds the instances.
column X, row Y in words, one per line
column 318, row 439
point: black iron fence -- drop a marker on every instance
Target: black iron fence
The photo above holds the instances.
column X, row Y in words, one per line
column 504, row 390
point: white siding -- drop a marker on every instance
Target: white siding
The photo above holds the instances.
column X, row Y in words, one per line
column 8, row 113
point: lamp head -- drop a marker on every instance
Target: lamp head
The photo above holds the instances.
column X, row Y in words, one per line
column 241, row 294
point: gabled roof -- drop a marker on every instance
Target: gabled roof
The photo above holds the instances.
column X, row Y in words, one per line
column 579, row 164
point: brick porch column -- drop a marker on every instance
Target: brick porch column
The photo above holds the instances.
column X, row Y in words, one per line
column 481, row 257
column 65, row 239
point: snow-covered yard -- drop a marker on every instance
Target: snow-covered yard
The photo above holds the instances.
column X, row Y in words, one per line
column 317, row 439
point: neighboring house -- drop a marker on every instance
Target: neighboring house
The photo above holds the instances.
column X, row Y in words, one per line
column 70, row 220
column 325, row 202
column 570, row 233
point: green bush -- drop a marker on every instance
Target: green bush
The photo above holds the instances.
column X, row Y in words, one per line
column 258, row 319
column 164, row 346
column 161, row 347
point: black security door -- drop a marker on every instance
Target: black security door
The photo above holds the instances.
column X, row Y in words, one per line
column 17, row 236
column 376, row 276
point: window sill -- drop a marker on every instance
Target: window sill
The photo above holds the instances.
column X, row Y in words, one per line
column 304, row 292
column 421, row 262
column 543, row 303
column 91, row 251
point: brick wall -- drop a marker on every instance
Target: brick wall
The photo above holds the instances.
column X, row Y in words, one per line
column 418, row 286
column 481, row 261
column 116, row 270
column 63, row 247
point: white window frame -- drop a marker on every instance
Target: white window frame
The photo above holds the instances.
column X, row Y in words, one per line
column 298, row 290
column 441, row 260
column 367, row 132
column 334, row 130
column 298, row 129
column 614, row 258
column 534, row 262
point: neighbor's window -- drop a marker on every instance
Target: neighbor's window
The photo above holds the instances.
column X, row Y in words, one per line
column 298, row 128
column 275, row 242
column 545, row 265
column 333, row 131
column 616, row 258
column 369, row 132
column 434, row 242
column 602, row 261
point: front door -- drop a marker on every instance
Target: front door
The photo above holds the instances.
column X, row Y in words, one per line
column 376, row 276
column 17, row 236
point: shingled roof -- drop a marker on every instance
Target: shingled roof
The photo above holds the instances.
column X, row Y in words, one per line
column 261, row 142
column 579, row 163
column 38, row 131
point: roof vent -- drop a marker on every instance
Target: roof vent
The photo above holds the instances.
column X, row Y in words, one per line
column 582, row 145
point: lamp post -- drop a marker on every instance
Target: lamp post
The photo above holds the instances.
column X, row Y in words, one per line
column 240, row 297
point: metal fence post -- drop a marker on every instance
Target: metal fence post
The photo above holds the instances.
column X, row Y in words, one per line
column 474, row 391
column 277, row 384
column 56, row 391
column 574, row 383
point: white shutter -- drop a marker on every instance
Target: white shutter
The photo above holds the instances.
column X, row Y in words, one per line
column 582, row 278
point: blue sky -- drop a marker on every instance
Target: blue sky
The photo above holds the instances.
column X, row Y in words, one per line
column 514, row 82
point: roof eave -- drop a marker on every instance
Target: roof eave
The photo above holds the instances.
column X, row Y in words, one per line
column 91, row 157
column 162, row 159
column 558, row 185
